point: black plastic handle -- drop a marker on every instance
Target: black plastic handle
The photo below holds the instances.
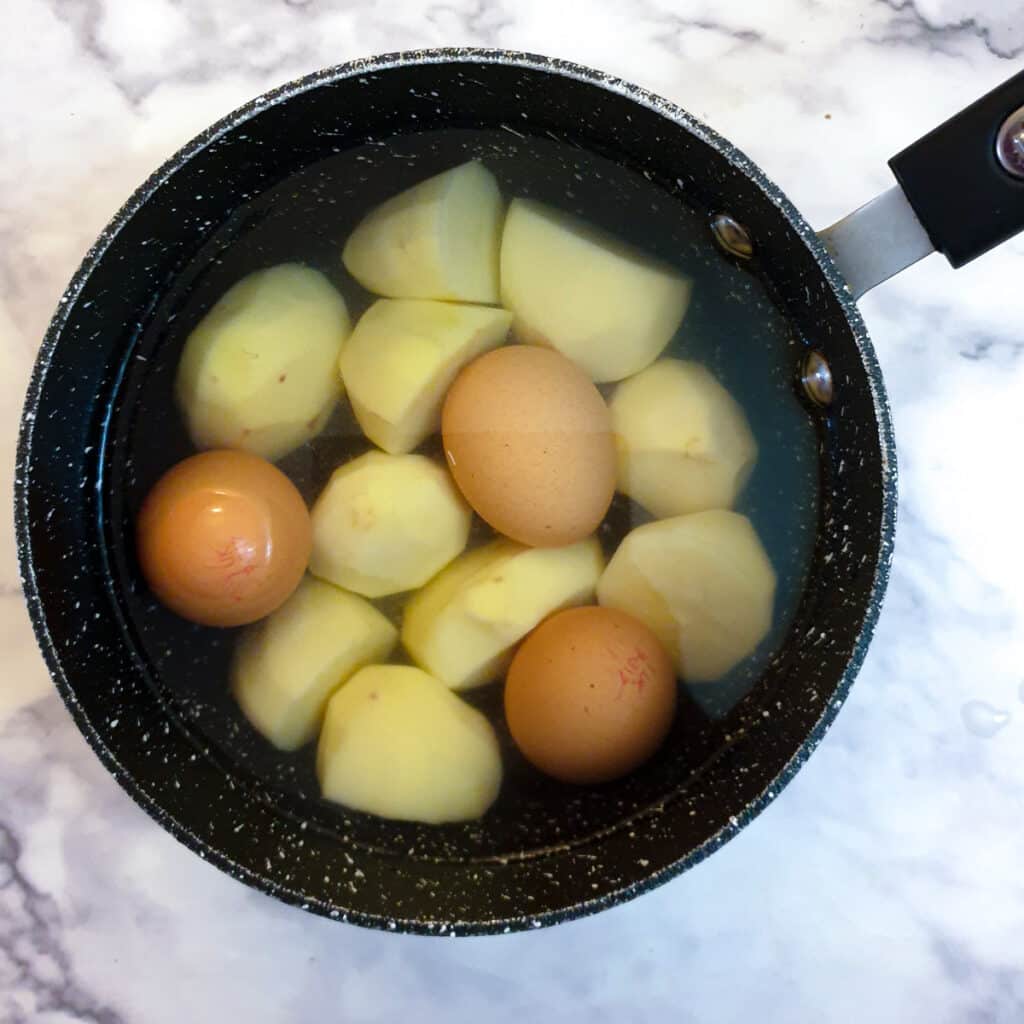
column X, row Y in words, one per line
column 966, row 200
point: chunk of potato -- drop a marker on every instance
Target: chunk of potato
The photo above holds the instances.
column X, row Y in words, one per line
column 401, row 358
column 259, row 371
column 286, row 667
column 684, row 444
column 436, row 240
column 462, row 626
column 701, row 582
column 399, row 744
column 387, row 523
column 608, row 307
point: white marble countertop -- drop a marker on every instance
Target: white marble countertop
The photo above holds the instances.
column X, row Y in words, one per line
column 885, row 885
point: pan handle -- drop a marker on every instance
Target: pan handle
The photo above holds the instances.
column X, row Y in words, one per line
column 960, row 192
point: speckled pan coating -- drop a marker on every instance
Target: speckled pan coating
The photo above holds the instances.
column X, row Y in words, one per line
column 448, row 883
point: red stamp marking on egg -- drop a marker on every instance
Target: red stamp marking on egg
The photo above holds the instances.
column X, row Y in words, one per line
column 235, row 560
column 634, row 673
column 223, row 557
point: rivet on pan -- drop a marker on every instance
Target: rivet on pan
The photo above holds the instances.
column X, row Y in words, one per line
column 816, row 377
column 732, row 236
column 1010, row 144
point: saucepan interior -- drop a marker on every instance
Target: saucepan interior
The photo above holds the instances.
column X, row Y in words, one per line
column 286, row 178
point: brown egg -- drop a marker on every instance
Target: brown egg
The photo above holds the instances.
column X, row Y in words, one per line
column 223, row 538
column 528, row 439
column 590, row 695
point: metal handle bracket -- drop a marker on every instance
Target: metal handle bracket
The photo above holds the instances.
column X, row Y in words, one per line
column 876, row 241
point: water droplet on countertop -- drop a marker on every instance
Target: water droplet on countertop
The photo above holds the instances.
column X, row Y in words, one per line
column 982, row 719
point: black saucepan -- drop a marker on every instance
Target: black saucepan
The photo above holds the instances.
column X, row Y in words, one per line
column 99, row 427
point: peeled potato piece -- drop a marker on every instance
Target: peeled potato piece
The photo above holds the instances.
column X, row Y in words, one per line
column 286, row 667
column 702, row 583
column 683, row 443
column 436, row 240
column 387, row 523
column 462, row 626
column 608, row 307
column 399, row 744
column 259, row 371
column 401, row 358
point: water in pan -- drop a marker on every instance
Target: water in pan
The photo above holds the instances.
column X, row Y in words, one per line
column 732, row 327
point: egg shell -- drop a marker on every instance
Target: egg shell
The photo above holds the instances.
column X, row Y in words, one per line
column 590, row 695
column 529, row 442
column 223, row 538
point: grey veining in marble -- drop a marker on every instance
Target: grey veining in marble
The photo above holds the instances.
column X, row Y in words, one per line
column 885, row 885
